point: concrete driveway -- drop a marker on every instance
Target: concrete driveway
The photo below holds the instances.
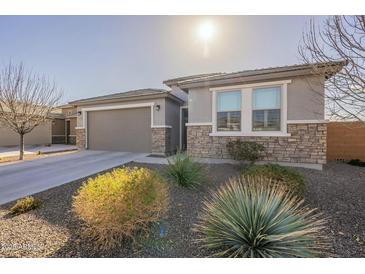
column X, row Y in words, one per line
column 29, row 177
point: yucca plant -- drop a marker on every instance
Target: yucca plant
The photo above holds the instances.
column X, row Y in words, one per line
column 182, row 170
column 246, row 218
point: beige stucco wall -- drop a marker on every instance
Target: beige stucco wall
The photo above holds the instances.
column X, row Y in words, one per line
column 304, row 100
column 158, row 116
column 173, row 119
column 69, row 111
column 40, row 135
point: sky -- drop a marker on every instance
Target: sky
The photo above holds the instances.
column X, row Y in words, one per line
column 96, row 55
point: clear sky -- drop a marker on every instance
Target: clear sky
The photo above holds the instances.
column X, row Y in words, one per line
column 96, row 55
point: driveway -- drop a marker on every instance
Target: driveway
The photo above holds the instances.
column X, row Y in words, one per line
column 29, row 177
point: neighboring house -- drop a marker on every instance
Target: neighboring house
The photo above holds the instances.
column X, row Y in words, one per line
column 64, row 124
column 40, row 135
column 282, row 108
column 59, row 129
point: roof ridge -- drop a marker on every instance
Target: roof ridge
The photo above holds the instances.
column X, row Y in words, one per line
column 260, row 70
column 110, row 96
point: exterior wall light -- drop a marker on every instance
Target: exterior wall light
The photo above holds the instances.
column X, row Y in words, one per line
column 157, row 107
column 79, row 113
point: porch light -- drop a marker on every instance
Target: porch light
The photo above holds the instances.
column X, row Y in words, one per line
column 79, row 113
column 157, row 107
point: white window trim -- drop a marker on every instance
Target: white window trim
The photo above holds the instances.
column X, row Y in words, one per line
column 246, row 109
column 162, row 126
column 199, row 124
column 84, row 112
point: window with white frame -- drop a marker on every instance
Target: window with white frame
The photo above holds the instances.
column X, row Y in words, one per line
column 229, row 111
column 266, row 109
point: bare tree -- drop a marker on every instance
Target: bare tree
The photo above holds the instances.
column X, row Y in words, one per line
column 26, row 100
column 340, row 39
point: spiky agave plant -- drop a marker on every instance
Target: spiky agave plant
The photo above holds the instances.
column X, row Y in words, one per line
column 246, row 218
column 184, row 171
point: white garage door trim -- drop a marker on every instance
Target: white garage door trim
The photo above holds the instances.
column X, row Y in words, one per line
column 85, row 110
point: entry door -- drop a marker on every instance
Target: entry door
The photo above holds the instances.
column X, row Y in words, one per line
column 68, row 130
column 184, row 121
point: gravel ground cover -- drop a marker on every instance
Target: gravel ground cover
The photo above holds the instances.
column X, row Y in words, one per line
column 339, row 192
column 53, row 231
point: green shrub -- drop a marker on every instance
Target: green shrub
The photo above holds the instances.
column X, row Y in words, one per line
column 245, row 218
column 356, row 162
column 182, row 170
column 117, row 204
column 285, row 176
column 245, row 151
column 25, row 204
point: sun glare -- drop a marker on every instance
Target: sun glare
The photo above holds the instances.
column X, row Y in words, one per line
column 206, row 31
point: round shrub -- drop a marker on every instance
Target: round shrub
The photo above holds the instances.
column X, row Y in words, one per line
column 117, row 204
column 245, row 218
column 245, row 151
column 24, row 205
column 285, row 176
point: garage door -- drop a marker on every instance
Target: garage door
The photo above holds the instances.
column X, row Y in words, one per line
column 120, row 130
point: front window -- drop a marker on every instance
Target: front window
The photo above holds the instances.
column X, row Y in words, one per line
column 229, row 111
column 266, row 109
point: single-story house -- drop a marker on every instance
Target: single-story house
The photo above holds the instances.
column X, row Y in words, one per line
column 40, row 135
column 281, row 108
column 58, row 129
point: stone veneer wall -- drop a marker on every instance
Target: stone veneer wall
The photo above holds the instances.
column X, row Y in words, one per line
column 307, row 144
column 161, row 140
column 80, row 138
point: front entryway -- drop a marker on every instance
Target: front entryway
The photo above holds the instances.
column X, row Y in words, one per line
column 68, row 131
column 184, row 121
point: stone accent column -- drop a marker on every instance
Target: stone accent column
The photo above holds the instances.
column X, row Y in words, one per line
column 161, row 141
column 80, row 138
column 307, row 144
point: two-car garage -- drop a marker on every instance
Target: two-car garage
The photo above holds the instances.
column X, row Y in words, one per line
column 120, row 130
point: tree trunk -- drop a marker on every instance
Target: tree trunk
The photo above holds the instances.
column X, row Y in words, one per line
column 21, row 147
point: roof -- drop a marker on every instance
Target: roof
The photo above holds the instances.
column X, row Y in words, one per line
column 173, row 81
column 123, row 95
column 65, row 106
column 301, row 69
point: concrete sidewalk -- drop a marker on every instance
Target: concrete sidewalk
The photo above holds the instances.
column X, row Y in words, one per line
column 14, row 151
